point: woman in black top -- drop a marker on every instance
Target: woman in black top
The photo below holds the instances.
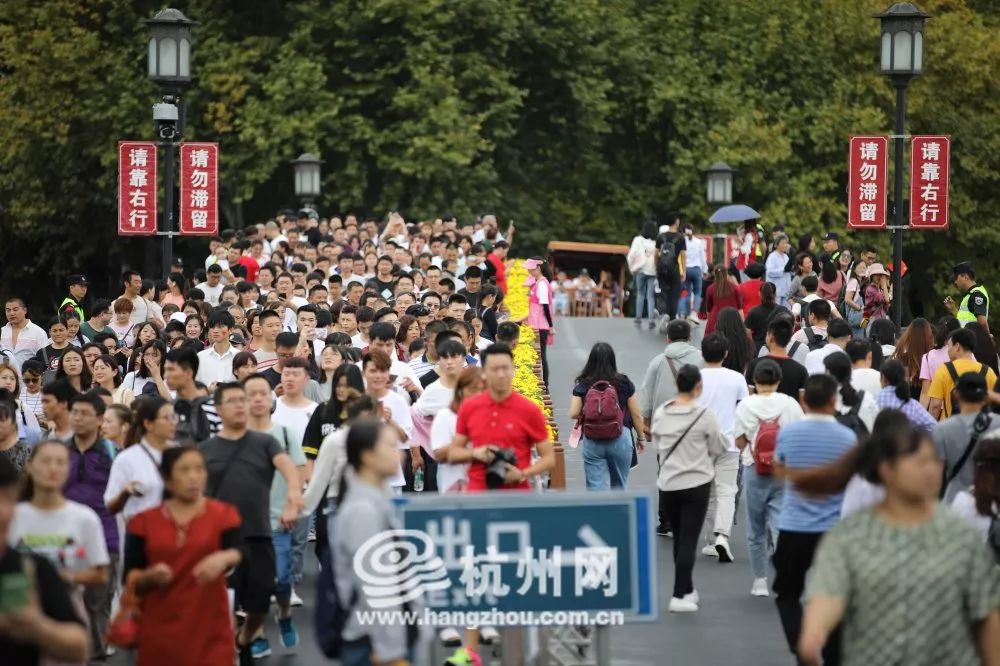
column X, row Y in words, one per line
column 348, row 383
column 759, row 315
column 730, row 327
column 606, row 461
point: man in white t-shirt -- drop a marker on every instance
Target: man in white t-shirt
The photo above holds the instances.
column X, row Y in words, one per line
column 722, row 391
column 838, row 335
column 293, row 411
column 863, row 377
column 212, row 286
column 817, row 319
column 436, row 398
column 395, row 410
column 383, row 338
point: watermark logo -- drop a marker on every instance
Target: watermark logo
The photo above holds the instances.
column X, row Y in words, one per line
column 400, row 565
column 397, row 566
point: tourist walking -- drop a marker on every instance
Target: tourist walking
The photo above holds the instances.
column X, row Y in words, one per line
column 814, row 441
column 605, row 407
column 179, row 553
column 946, row 561
column 759, row 419
column 642, row 264
column 688, row 440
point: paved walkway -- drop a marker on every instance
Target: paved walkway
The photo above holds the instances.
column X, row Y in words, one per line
column 731, row 627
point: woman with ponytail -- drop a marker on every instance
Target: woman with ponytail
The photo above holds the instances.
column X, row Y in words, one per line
column 852, row 405
column 365, row 512
column 946, row 562
column 895, row 394
column 135, row 483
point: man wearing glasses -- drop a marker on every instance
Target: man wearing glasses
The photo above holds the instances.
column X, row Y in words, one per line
column 90, row 457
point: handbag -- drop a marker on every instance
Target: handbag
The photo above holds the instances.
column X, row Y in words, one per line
column 123, row 630
column 575, row 435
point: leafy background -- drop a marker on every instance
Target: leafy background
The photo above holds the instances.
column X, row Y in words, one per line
column 575, row 118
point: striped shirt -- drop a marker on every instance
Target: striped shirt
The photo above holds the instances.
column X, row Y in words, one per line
column 814, row 441
column 914, row 411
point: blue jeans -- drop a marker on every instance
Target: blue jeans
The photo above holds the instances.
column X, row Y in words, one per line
column 606, row 462
column 300, row 539
column 645, row 293
column 763, row 509
column 283, row 560
column 359, row 653
column 692, row 282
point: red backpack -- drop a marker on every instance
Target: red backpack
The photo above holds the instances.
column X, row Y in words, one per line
column 764, row 444
column 602, row 415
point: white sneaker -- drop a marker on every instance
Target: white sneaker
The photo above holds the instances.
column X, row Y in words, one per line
column 693, row 597
column 295, row 600
column 450, row 637
column 759, row 588
column 488, row 635
column 710, row 551
column 722, row 548
column 682, row 605
column 694, row 318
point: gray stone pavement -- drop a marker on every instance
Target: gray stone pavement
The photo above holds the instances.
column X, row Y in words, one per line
column 731, row 627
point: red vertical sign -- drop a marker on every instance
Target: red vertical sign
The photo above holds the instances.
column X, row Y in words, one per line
column 136, row 188
column 867, row 175
column 199, row 188
column 929, row 171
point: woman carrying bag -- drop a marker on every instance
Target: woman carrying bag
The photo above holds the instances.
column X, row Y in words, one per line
column 642, row 264
column 176, row 558
column 604, row 403
column 688, row 440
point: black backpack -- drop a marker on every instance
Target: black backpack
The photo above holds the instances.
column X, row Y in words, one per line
column 851, row 419
column 815, row 342
column 666, row 262
column 983, row 369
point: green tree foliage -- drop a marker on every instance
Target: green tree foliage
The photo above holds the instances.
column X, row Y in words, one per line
column 575, row 118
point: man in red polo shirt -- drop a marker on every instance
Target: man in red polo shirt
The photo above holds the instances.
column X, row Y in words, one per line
column 500, row 418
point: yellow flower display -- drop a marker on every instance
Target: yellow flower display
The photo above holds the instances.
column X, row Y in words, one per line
column 527, row 382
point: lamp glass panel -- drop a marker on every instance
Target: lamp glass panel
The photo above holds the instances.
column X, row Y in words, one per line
column 902, row 49
column 918, row 52
column 886, row 51
column 168, row 57
column 185, row 59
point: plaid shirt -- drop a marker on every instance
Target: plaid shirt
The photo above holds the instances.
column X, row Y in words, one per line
column 886, row 399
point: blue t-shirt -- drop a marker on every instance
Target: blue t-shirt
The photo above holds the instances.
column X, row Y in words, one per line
column 811, row 442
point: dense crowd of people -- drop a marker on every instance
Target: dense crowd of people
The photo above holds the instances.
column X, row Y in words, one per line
column 194, row 434
column 167, row 454
column 866, row 456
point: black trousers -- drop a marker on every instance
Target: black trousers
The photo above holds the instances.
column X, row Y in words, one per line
column 793, row 556
column 430, row 473
column 670, row 292
column 543, row 344
column 686, row 511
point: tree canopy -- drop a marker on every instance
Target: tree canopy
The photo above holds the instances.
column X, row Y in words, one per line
column 574, row 118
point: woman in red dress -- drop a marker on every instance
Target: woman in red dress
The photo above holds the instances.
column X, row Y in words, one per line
column 722, row 293
column 182, row 550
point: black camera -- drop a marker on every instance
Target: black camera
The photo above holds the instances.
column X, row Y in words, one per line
column 496, row 471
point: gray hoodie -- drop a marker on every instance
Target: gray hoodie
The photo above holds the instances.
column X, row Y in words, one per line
column 659, row 386
column 365, row 513
column 692, row 463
